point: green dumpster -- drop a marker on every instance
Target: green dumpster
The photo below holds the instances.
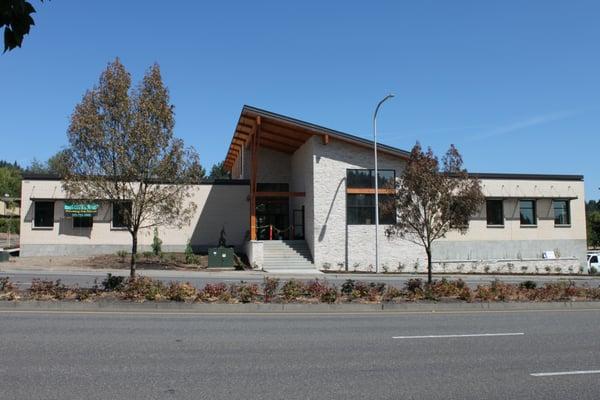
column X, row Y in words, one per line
column 220, row 257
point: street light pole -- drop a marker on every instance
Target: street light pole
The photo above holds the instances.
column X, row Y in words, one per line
column 389, row 96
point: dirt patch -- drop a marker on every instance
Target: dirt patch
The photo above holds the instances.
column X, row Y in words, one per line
column 167, row 261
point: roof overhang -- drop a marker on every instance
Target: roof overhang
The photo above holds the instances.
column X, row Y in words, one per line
column 285, row 134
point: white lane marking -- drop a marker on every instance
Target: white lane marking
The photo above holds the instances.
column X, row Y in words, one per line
column 459, row 336
column 566, row 373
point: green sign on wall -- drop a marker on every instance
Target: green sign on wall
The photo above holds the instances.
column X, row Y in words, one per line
column 81, row 209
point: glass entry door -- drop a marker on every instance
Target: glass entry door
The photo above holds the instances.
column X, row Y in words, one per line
column 272, row 218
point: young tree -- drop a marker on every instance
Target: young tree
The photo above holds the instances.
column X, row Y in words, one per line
column 432, row 199
column 218, row 171
column 122, row 150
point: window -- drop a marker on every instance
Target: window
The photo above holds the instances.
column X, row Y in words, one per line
column 494, row 212
column 43, row 214
column 361, row 209
column 562, row 215
column 83, row 222
column 360, row 199
column 364, row 178
column 121, row 210
column 527, row 212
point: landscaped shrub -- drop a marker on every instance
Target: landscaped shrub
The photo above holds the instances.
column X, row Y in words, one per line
column 392, row 293
column 122, row 254
column 190, row 257
column 527, row 285
column 215, row 291
column 270, row 286
column 156, row 243
column 6, row 285
column 47, row 290
column 329, row 296
column 347, row 287
column 414, row 285
column 245, row 292
column 292, row 289
column 316, row 288
column 112, row 282
column 143, row 288
column 178, row 291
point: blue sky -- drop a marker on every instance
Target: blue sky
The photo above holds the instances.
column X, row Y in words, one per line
column 514, row 85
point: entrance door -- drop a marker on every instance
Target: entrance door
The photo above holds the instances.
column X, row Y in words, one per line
column 299, row 224
column 272, row 218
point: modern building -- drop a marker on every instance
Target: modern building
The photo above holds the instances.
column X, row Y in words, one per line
column 302, row 196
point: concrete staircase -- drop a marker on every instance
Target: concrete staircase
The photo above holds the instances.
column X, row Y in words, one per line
column 287, row 256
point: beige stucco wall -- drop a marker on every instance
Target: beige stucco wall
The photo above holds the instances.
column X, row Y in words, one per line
column 218, row 206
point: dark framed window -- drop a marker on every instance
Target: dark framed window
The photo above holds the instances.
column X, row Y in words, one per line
column 83, row 222
column 562, row 212
column 43, row 214
column 360, row 203
column 527, row 212
column 272, row 187
column 360, row 209
column 494, row 212
column 121, row 210
column 365, row 178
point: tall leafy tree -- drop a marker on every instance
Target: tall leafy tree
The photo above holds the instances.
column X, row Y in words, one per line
column 218, row 171
column 122, row 149
column 10, row 181
column 432, row 199
column 592, row 214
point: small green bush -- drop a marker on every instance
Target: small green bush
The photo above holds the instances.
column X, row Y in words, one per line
column 178, row 291
column 156, row 243
column 347, row 287
column 190, row 257
column 122, row 254
column 292, row 289
column 112, row 282
column 528, row 285
column 6, row 285
column 245, row 292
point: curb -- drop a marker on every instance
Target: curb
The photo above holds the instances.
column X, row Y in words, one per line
column 291, row 308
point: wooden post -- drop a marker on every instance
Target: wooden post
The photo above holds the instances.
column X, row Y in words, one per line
column 253, row 175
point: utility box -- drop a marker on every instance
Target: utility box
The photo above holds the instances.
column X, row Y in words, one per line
column 4, row 256
column 220, row 257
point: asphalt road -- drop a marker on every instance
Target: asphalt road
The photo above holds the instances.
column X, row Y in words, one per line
column 332, row 356
column 87, row 278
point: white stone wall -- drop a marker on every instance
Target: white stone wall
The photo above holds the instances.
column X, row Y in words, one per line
column 302, row 164
column 338, row 246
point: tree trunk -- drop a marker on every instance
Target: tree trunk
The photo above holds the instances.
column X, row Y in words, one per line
column 429, row 266
column 133, row 254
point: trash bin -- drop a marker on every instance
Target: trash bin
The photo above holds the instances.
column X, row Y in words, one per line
column 220, row 257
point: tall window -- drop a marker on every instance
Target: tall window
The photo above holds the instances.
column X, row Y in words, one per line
column 43, row 214
column 494, row 212
column 528, row 212
column 360, row 197
column 121, row 210
column 562, row 214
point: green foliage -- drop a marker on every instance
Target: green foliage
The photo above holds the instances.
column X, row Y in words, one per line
column 245, row 292
column 112, row 282
column 6, row 285
column 10, row 223
column 190, row 257
column 156, row 243
column 593, row 228
column 10, row 182
column 292, row 289
column 218, row 171
column 528, row 285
